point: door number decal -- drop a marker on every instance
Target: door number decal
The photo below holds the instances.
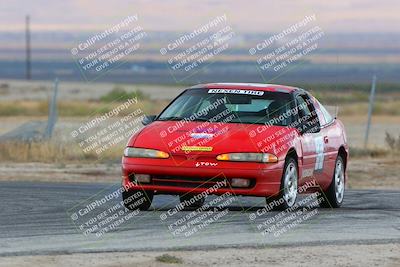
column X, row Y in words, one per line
column 319, row 151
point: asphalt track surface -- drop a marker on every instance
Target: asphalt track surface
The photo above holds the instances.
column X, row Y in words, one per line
column 36, row 219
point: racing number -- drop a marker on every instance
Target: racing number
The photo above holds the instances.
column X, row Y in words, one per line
column 319, row 151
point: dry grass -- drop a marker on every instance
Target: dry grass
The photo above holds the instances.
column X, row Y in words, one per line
column 63, row 152
column 371, row 152
column 170, row 259
column 351, row 101
column 54, row 152
column 390, row 108
column 61, row 162
column 87, row 108
column 75, row 108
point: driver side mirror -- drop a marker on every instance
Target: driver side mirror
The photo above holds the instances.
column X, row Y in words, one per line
column 148, row 119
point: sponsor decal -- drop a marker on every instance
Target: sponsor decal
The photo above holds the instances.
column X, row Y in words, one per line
column 202, row 135
column 235, row 91
column 197, row 148
column 206, row 163
column 213, row 129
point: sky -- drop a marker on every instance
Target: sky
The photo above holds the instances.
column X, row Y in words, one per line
column 183, row 15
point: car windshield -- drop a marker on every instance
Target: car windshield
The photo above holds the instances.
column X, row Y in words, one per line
column 231, row 106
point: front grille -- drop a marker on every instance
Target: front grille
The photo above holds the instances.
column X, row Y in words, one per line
column 187, row 181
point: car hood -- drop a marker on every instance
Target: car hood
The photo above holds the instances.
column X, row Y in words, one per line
column 178, row 137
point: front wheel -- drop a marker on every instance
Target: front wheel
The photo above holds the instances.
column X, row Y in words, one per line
column 288, row 191
column 137, row 199
column 333, row 196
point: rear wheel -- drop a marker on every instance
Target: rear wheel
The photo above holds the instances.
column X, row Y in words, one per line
column 137, row 199
column 333, row 196
column 192, row 201
column 288, row 191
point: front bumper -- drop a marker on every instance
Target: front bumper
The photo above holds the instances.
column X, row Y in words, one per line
column 182, row 180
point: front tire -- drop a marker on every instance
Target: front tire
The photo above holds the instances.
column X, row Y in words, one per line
column 288, row 191
column 333, row 196
column 137, row 199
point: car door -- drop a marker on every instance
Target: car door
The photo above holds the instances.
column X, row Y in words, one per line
column 311, row 140
column 331, row 136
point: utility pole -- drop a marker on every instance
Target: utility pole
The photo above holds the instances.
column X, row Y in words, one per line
column 28, row 48
column 371, row 105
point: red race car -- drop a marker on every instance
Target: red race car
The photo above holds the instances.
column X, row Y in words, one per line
column 246, row 139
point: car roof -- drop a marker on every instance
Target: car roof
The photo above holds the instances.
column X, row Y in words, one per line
column 249, row 86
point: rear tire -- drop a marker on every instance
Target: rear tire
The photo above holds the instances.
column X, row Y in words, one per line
column 333, row 196
column 191, row 204
column 288, row 190
column 133, row 200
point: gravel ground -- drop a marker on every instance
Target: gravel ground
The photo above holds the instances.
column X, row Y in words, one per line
column 336, row 255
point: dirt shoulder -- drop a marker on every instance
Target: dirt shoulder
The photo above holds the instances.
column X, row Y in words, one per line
column 366, row 173
column 59, row 172
column 374, row 173
column 329, row 255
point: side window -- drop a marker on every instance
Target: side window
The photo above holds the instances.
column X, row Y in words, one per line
column 303, row 107
column 307, row 114
column 326, row 114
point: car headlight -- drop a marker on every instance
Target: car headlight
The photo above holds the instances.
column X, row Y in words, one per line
column 250, row 157
column 134, row 152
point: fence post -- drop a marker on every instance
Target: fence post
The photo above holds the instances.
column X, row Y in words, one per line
column 370, row 108
column 52, row 117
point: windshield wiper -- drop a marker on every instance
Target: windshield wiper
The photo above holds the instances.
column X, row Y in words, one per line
column 201, row 119
column 172, row 118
